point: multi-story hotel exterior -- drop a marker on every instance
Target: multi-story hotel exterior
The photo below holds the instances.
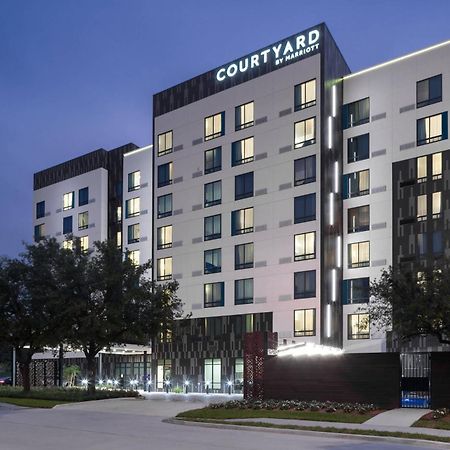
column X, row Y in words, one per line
column 280, row 185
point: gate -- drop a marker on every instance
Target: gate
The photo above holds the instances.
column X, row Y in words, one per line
column 415, row 380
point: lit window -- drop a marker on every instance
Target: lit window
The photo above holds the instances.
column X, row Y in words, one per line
column 305, row 170
column 83, row 220
column 213, row 160
column 356, row 184
column 358, row 148
column 164, row 206
column 429, row 91
column 305, row 95
column 421, row 169
column 84, row 243
column 133, row 207
column 213, row 261
column 39, row 232
column 242, row 151
column 164, row 237
column 165, row 143
column 305, row 132
column 213, row 193
column 244, row 116
column 83, row 196
column 305, row 322
column 134, row 180
column 213, row 227
column 436, row 205
column 165, row 174
column 243, row 291
column 358, row 326
column 358, row 219
column 305, row 246
column 359, row 255
column 134, row 257
column 422, row 207
column 437, row 166
column 243, row 186
column 432, row 129
column 305, row 284
column 68, row 201
column 213, row 373
column 305, row 208
column 119, row 214
column 40, row 210
column 134, row 233
column 164, row 269
column 242, row 221
column 239, row 370
column 243, row 256
column 214, row 294
column 355, row 113
column 214, row 126
column 67, row 225
column 68, row 244
column 355, row 291
column 119, row 239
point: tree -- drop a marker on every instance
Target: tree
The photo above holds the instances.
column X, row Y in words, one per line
column 412, row 304
column 70, row 374
column 112, row 302
column 31, row 313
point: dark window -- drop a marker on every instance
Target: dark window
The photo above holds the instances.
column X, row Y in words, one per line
column 214, row 126
column 165, row 174
column 213, row 160
column 213, row 193
column 355, row 291
column 67, row 225
column 243, row 291
column 133, row 233
column 358, row 148
column 244, row 116
column 214, row 294
column 305, row 284
column 305, row 170
column 305, row 322
column 164, row 206
column 438, row 246
column 38, row 232
column 422, row 243
column 40, row 210
column 305, row 132
column 305, row 208
column 429, row 91
column 358, row 219
column 83, row 196
column 242, row 151
column 134, row 180
column 243, row 185
column 355, row 113
column 242, row 221
column 432, row 129
column 358, row 326
column 213, row 260
column 305, row 95
column 213, row 227
column 243, row 256
column 356, row 184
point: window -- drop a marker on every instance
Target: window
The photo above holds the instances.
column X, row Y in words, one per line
column 68, row 244
column 358, row 255
column 356, row 184
column 242, row 151
column 133, row 207
column 165, row 174
column 355, row 290
column 164, row 237
column 134, row 180
column 239, row 370
column 213, row 373
column 134, row 257
column 40, row 210
column 243, row 186
column 243, row 256
column 421, row 169
column 305, row 95
column 305, row 208
column 244, row 116
column 242, row 221
column 38, row 232
column 358, row 148
column 164, row 206
column 68, row 201
column 83, row 220
column 437, row 166
column 213, row 160
column 213, row 227
column 67, row 225
column 305, row 322
column 165, row 143
column 436, row 205
column 164, row 269
column 432, row 129
column 214, row 126
column 358, row 326
column 438, row 247
column 422, row 243
column 119, row 214
column 134, row 233
column 119, row 239
column 422, row 207
column 213, row 193
column 358, row 219
column 84, row 243
column 429, row 91
column 305, row 284
column 305, row 132
column 356, row 113
column 305, row 246
column 83, row 196
column 214, row 294
column 213, row 261
column 243, row 291
column 305, row 170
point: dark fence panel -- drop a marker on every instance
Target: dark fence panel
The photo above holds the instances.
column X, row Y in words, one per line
column 440, row 380
column 369, row 378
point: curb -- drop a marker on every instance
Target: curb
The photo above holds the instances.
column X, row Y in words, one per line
column 396, row 440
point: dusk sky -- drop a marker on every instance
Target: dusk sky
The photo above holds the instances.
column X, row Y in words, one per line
column 77, row 75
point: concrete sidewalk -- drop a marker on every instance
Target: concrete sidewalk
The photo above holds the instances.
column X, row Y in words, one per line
column 401, row 417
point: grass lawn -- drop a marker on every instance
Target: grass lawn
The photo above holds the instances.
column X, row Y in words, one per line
column 235, row 413
column 31, row 402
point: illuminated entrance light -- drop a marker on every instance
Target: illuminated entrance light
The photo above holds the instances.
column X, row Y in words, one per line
column 308, row 349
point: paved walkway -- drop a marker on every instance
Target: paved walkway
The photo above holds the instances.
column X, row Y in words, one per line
column 401, row 417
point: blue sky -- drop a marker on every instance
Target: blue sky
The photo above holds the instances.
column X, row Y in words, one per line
column 76, row 75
